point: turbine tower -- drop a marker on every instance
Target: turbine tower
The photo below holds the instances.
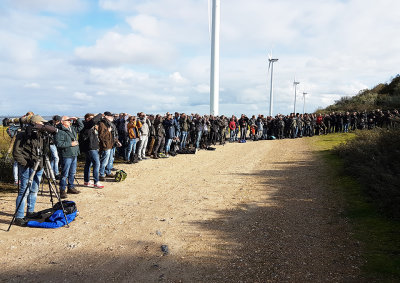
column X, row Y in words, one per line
column 304, row 101
column 271, row 66
column 295, row 94
column 214, row 74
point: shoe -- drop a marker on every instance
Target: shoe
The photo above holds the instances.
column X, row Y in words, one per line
column 144, row 158
column 88, row 184
column 156, row 156
column 73, row 191
column 63, row 194
column 110, row 175
column 98, row 185
column 33, row 215
column 102, row 178
column 20, row 222
column 114, row 169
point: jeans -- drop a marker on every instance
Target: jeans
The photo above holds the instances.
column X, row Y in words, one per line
column 143, row 145
column 54, row 159
column 15, row 172
column 232, row 136
column 131, row 147
column 168, row 146
column 346, row 127
column 68, row 172
column 199, row 133
column 110, row 164
column 183, row 139
column 243, row 131
column 92, row 159
column 31, row 193
column 104, row 159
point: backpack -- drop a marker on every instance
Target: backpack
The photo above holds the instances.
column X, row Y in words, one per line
column 12, row 130
column 120, row 175
column 54, row 217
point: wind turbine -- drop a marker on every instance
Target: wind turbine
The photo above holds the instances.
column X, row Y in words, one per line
column 295, row 94
column 214, row 74
column 304, row 101
column 271, row 66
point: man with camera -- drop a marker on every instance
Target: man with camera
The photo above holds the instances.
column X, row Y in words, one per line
column 28, row 152
column 67, row 143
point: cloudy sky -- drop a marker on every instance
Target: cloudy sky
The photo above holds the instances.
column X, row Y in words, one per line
column 78, row 56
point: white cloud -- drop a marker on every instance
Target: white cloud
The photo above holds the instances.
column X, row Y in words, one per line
column 144, row 24
column 82, row 96
column 115, row 49
column 177, row 78
column 59, row 6
column 32, row 85
column 154, row 55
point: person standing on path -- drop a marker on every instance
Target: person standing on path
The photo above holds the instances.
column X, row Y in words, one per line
column 67, row 143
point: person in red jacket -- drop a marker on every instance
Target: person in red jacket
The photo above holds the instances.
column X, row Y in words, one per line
column 232, row 128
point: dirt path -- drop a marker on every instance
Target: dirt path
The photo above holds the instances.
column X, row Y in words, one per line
column 254, row 212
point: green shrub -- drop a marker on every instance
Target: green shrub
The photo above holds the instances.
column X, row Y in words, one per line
column 373, row 157
column 6, row 170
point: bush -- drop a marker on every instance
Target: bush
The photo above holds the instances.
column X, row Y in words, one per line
column 373, row 157
column 6, row 170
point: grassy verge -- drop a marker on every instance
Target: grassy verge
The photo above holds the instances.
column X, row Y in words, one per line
column 378, row 234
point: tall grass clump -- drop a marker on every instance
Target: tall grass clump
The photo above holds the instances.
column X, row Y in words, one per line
column 373, row 158
column 5, row 164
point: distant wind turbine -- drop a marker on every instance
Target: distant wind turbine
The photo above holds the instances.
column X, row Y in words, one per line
column 295, row 94
column 214, row 74
column 304, row 101
column 271, row 66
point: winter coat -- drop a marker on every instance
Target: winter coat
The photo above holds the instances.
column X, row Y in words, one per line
column 169, row 128
column 65, row 137
column 25, row 147
column 133, row 129
column 106, row 139
column 89, row 136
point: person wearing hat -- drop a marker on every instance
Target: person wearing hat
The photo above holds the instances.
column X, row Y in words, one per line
column 66, row 140
column 28, row 147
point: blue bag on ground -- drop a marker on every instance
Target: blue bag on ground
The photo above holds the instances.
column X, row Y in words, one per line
column 54, row 217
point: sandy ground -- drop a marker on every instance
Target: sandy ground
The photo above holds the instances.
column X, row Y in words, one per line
column 256, row 212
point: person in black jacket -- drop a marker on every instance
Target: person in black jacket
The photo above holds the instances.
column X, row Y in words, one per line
column 89, row 144
column 28, row 147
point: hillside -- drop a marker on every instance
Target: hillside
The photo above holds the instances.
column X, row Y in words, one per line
column 385, row 96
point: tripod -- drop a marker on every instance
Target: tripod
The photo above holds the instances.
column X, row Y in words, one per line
column 49, row 174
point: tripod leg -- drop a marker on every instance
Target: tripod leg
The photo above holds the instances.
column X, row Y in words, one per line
column 28, row 186
column 53, row 186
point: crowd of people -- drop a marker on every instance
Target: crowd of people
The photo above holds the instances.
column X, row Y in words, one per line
column 133, row 138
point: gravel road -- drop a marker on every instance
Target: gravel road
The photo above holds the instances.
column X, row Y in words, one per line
column 256, row 212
